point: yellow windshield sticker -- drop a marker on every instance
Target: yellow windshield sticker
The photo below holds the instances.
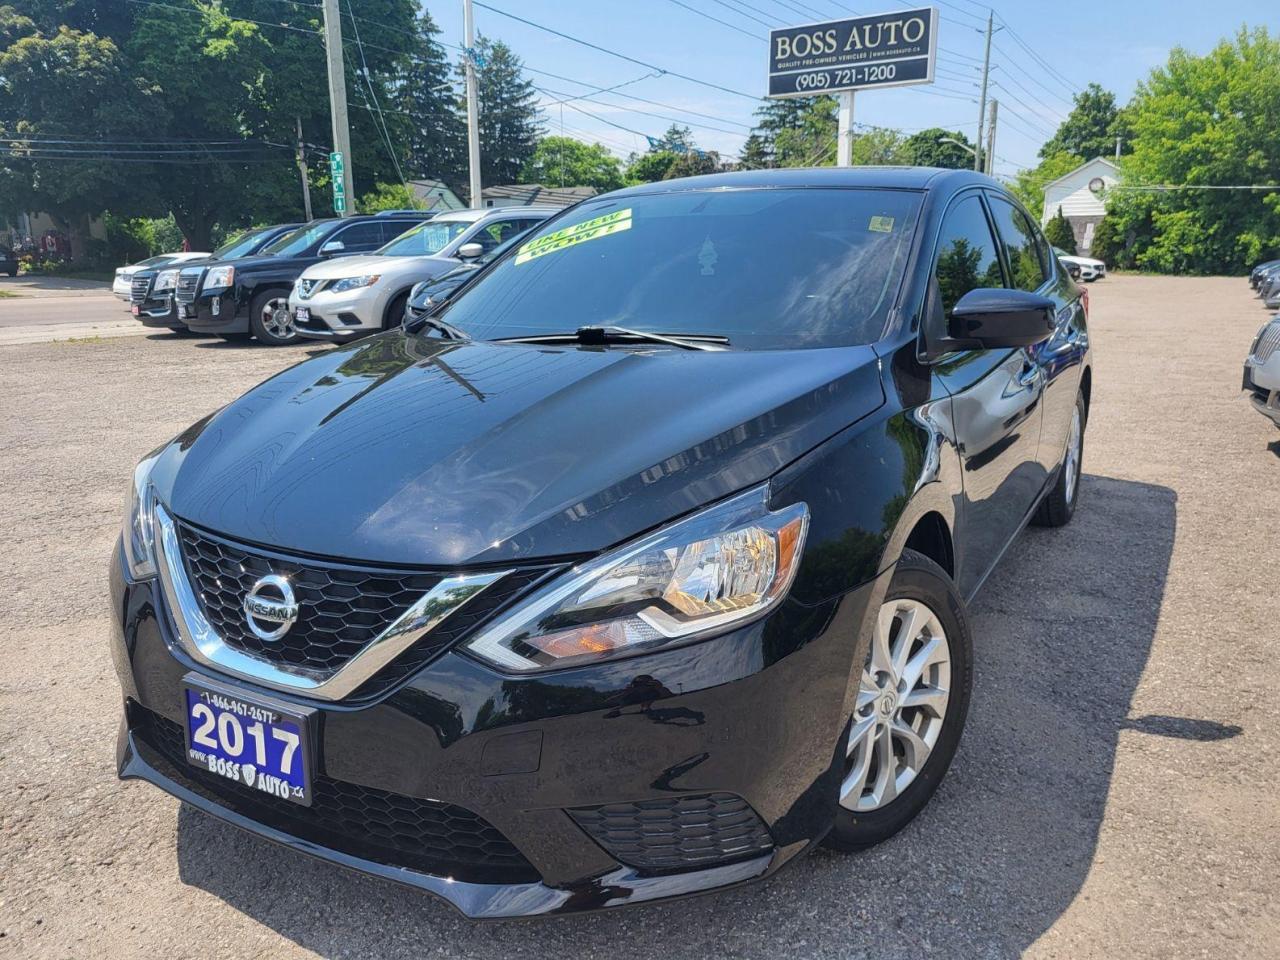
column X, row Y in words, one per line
column 881, row 224
column 592, row 229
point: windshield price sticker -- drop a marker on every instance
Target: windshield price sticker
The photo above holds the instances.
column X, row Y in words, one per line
column 592, row 229
column 881, row 224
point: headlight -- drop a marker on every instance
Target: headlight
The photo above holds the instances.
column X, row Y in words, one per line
column 219, row 277
column 354, row 283
column 139, row 528
column 167, row 280
column 719, row 568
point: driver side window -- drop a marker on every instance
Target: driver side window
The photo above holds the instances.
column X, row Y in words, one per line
column 966, row 258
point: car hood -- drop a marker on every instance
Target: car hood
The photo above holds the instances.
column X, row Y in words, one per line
column 354, row 266
column 1082, row 261
column 413, row 450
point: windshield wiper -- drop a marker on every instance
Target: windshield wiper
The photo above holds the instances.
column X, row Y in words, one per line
column 602, row 336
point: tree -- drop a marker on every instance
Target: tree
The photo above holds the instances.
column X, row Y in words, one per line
column 1203, row 121
column 1091, row 127
column 878, row 146
column 434, row 132
column 677, row 139
column 927, row 149
column 651, row 166
column 756, row 153
column 388, row 196
column 510, row 122
column 694, row 163
column 1059, row 233
column 52, row 88
column 565, row 162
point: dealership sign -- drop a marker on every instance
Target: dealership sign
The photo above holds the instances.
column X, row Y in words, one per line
column 882, row 50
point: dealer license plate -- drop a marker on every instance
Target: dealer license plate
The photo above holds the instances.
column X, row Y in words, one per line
column 135, row 309
column 302, row 314
column 259, row 744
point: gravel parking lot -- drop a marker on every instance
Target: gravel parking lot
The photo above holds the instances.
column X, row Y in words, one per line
column 1114, row 796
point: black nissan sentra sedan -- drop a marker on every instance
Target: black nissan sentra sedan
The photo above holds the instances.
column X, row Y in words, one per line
column 636, row 569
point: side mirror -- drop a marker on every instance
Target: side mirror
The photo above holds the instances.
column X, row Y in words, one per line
column 332, row 247
column 469, row 251
column 1002, row 318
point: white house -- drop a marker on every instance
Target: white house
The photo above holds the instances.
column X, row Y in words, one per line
column 1080, row 195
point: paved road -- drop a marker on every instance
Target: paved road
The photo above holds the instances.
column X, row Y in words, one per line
column 1114, row 796
column 53, row 308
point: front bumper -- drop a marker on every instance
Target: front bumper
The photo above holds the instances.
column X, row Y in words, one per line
column 1261, row 385
column 755, row 715
column 217, row 312
column 155, row 311
column 342, row 316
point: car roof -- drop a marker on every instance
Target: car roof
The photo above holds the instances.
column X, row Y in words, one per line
column 472, row 215
column 900, row 178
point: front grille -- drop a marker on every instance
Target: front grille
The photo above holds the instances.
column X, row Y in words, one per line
column 1267, row 343
column 138, row 288
column 677, row 833
column 188, row 286
column 387, row 828
column 341, row 607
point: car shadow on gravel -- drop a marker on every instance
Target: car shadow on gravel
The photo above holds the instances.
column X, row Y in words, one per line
column 1062, row 634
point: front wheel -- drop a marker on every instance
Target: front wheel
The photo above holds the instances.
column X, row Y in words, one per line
column 913, row 697
column 270, row 319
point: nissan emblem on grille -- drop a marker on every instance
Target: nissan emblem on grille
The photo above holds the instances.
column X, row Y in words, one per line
column 261, row 605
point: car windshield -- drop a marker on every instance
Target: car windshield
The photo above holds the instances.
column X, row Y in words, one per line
column 239, row 246
column 425, row 239
column 292, row 244
column 767, row 268
column 153, row 261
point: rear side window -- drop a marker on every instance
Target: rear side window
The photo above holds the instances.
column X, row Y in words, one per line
column 1026, row 266
column 361, row 236
column 967, row 257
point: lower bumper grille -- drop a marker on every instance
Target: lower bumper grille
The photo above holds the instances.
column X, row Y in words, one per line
column 387, row 828
column 677, row 833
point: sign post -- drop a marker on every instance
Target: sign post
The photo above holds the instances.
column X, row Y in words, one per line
column 840, row 56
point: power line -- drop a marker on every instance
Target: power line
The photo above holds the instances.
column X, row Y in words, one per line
column 723, row 23
column 614, row 53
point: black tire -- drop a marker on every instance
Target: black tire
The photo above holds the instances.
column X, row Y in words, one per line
column 1059, row 505
column 395, row 312
column 264, row 322
column 920, row 579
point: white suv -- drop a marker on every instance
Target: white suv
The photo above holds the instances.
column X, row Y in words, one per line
column 349, row 297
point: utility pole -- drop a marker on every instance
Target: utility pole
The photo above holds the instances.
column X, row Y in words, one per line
column 473, row 103
column 844, row 130
column 338, row 102
column 302, row 172
column 982, row 104
column 990, row 164
column 1118, row 148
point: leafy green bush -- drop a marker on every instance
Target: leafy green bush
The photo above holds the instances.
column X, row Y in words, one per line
column 1059, row 233
column 387, row 196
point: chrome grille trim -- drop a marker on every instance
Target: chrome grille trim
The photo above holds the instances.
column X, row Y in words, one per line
column 1267, row 343
column 188, row 285
column 202, row 643
column 138, row 288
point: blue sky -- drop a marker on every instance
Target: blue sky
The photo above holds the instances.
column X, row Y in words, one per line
column 1115, row 44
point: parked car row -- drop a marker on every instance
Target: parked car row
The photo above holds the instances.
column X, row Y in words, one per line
column 1262, row 366
column 330, row 279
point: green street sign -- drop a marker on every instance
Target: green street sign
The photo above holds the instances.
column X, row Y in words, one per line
column 335, row 162
column 339, row 187
column 339, row 203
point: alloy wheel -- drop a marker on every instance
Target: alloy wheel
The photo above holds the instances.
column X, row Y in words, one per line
column 901, row 706
column 1072, row 466
column 276, row 318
